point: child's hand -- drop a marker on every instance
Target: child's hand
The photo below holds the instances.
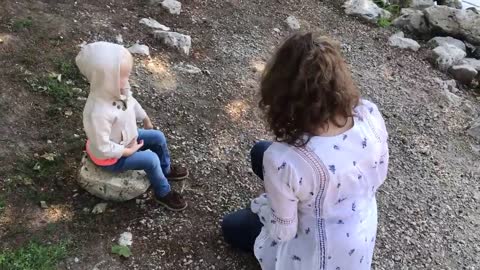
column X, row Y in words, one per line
column 147, row 123
column 133, row 148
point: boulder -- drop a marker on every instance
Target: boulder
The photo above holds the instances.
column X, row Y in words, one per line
column 448, row 89
column 139, row 49
column 365, row 9
column 293, row 23
column 463, row 73
column 450, row 3
column 110, row 186
column 412, row 20
column 446, row 56
column 398, row 40
column 440, row 41
column 475, row 63
column 173, row 6
column 421, row 4
column 462, row 24
column 181, row 42
column 154, row 24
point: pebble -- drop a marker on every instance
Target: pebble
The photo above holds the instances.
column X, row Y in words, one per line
column 99, row 208
column 293, row 23
column 125, row 239
column 173, row 6
column 43, row 205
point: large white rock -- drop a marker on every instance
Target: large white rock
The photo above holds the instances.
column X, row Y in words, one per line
column 110, row 186
column 475, row 63
column 293, row 22
column 366, row 9
column 398, row 40
column 412, row 20
column 176, row 40
column 421, row 4
column 440, row 41
column 447, row 55
column 463, row 73
column 139, row 49
column 459, row 23
column 154, row 24
column 173, row 6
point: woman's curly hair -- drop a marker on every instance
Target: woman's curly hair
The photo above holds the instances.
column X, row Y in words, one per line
column 305, row 86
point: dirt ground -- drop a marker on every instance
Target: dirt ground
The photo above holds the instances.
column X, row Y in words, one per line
column 428, row 208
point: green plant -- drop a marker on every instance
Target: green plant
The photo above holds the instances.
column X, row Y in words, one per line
column 34, row 256
column 22, row 24
column 122, row 251
column 384, row 22
column 2, row 204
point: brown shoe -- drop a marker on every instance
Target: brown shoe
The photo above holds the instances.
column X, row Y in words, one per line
column 177, row 173
column 173, row 201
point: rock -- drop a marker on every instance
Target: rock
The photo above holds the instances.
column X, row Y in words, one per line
column 110, row 186
column 186, row 68
column 398, row 40
column 440, row 41
column 139, row 49
column 463, row 24
column 473, row 51
column 365, row 9
column 450, row 3
column 446, row 56
column 412, row 20
column 474, row 130
column 43, row 205
column 463, row 73
column 293, row 22
column 421, row 4
column 181, row 42
column 154, row 24
column 475, row 63
column 99, row 208
column 76, row 260
column 448, row 89
column 125, row 239
column 119, row 39
column 173, row 6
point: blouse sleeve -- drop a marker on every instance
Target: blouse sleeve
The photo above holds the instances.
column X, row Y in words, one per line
column 140, row 113
column 279, row 213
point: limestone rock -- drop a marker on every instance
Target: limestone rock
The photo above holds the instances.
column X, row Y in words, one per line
column 454, row 22
column 412, row 20
column 448, row 89
column 173, row 6
column 110, row 186
column 187, row 68
column 154, row 24
column 463, row 73
column 446, row 56
column 398, row 40
column 139, row 49
column 421, row 4
column 99, row 208
column 125, row 239
column 440, row 41
column 293, row 23
column 365, row 9
column 181, row 42
column 475, row 63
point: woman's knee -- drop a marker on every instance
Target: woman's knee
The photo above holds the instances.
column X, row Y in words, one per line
column 151, row 160
column 159, row 137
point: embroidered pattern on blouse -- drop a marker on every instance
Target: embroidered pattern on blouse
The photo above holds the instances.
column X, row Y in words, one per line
column 282, row 221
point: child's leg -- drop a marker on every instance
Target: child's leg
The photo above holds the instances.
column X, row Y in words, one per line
column 256, row 155
column 155, row 140
column 150, row 163
column 241, row 228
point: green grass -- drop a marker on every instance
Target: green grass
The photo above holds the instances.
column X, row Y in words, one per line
column 21, row 24
column 34, row 256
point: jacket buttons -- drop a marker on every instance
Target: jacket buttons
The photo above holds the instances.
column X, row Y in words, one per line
column 118, row 107
column 114, row 103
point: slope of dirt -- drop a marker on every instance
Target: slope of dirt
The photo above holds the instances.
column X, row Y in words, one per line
column 428, row 208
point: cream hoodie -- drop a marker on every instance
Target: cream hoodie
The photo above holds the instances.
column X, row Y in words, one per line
column 109, row 118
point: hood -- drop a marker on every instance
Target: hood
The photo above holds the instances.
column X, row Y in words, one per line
column 100, row 63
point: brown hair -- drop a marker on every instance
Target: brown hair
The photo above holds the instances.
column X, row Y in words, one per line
column 306, row 85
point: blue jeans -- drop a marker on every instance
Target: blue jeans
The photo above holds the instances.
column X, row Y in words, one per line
column 153, row 158
column 241, row 228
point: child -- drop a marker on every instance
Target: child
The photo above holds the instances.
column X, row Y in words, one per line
column 110, row 122
column 321, row 175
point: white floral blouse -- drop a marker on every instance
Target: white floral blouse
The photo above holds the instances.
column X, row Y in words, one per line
column 319, row 210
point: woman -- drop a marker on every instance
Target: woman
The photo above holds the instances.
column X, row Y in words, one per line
column 321, row 175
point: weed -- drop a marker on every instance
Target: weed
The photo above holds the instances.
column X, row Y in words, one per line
column 21, row 24
column 2, row 204
column 34, row 256
column 384, row 22
column 393, row 9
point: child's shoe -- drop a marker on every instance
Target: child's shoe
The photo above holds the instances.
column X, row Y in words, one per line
column 173, row 201
column 177, row 173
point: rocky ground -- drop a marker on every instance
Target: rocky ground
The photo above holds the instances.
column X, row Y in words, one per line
column 428, row 207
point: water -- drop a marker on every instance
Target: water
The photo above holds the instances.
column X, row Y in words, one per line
column 471, row 3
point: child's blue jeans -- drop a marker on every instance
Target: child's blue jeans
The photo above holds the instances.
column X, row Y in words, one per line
column 153, row 158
